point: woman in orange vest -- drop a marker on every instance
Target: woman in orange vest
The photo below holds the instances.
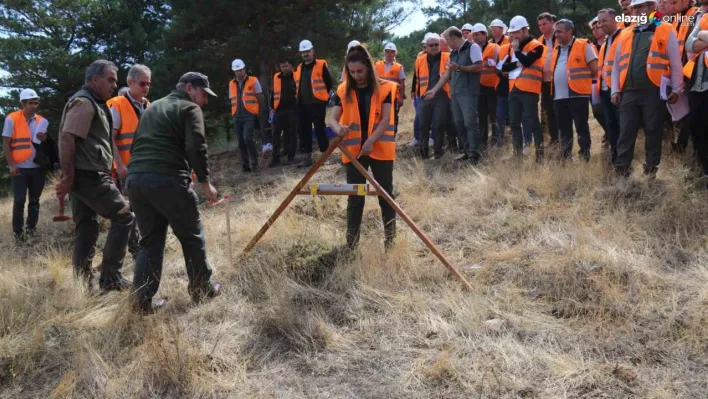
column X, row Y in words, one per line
column 22, row 133
column 363, row 117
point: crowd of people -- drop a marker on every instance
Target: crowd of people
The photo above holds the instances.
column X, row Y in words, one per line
column 467, row 84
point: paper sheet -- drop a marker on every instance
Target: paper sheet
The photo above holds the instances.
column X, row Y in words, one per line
column 680, row 108
column 663, row 89
column 595, row 97
column 500, row 64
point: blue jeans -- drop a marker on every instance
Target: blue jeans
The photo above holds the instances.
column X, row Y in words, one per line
column 502, row 112
column 30, row 181
column 244, row 126
column 612, row 121
column 523, row 108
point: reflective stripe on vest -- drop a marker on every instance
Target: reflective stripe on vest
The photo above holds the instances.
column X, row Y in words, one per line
column 531, row 78
column 277, row 87
column 577, row 71
column 21, row 141
column 423, row 74
column 657, row 59
column 250, row 101
column 684, row 29
column 384, row 148
column 319, row 89
column 128, row 126
column 690, row 66
column 489, row 76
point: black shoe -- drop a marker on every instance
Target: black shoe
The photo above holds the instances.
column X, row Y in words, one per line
column 205, row 295
column 20, row 238
column 120, row 285
column 464, row 158
column 246, row 169
column 274, row 162
column 31, row 232
column 149, row 308
column 438, row 154
column 306, row 161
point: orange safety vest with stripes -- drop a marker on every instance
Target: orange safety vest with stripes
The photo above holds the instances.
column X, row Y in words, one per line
column 684, row 29
column 423, row 74
column 392, row 75
column 21, row 140
column 129, row 121
column 249, row 99
column 690, row 66
column 505, row 40
column 489, row 76
column 277, row 87
column 605, row 64
column 657, row 60
column 531, row 77
column 577, row 71
column 385, row 148
column 319, row 90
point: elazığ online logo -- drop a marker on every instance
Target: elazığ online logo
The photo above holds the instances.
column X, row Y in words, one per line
column 656, row 18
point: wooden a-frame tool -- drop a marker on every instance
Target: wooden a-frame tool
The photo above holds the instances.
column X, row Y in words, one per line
column 351, row 189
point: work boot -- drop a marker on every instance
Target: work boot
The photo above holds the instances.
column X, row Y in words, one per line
column 206, row 294
column 463, row 158
column 438, row 154
column 147, row 308
column 119, row 285
column 306, row 161
column 246, row 169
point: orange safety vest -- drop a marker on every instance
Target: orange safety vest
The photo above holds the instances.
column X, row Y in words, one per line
column 21, row 141
column 250, row 101
column 577, row 71
column 690, row 66
column 385, row 147
column 392, row 75
column 128, row 126
column 531, row 77
column 505, row 40
column 683, row 30
column 657, row 60
column 422, row 72
column 605, row 64
column 489, row 76
column 277, row 86
column 319, row 90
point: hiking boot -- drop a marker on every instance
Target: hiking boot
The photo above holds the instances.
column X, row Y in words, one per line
column 463, row 158
column 206, row 294
column 306, row 161
column 146, row 309
column 246, row 169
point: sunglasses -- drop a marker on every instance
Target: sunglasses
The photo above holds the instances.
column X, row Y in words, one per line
column 144, row 84
column 433, row 45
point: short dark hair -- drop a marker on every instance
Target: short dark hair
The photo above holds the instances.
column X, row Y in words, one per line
column 567, row 23
column 610, row 11
column 453, row 31
column 284, row 61
column 548, row 16
column 98, row 68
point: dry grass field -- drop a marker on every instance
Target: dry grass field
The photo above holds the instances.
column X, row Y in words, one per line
column 598, row 288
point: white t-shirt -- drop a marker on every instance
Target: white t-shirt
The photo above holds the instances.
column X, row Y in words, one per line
column 41, row 127
column 475, row 53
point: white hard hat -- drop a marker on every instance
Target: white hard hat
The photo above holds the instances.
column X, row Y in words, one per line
column 349, row 46
column 433, row 36
column 638, row 2
column 479, row 28
column 28, row 94
column 593, row 22
column 518, row 23
column 237, row 65
column 425, row 38
column 390, row 46
column 466, row 27
column 306, row 45
column 499, row 24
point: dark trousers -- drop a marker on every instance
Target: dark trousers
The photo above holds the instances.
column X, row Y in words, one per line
column 550, row 121
column 699, row 125
column 383, row 173
column 160, row 201
column 569, row 112
column 684, row 130
column 309, row 115
column 134, row 238
column 94, row 194
column 464, row 113
column 29, row 182
column 245, row 134
column 523, row 108
column 487, row 114
column 613, row 123
column 285, row 131
column 500, row 123
column 434, row 112
column 640, row 109
column 598, row 112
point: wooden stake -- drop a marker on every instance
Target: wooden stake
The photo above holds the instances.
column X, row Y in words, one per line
column 228, row 231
